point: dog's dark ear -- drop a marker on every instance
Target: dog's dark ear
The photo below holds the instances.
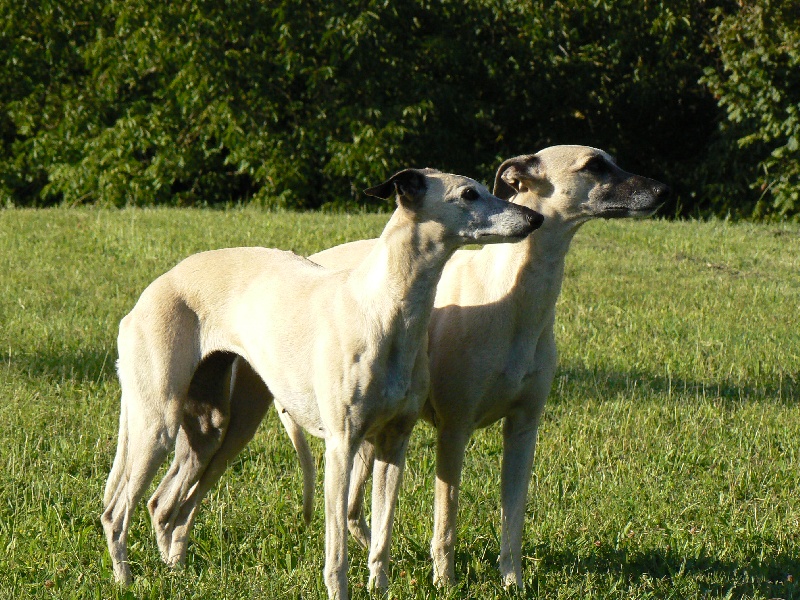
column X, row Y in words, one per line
column 517, row 174
column 409, row 185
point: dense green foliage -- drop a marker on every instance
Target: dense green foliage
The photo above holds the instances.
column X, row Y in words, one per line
column 667, row 459
column 759, row 86
column 302, row 103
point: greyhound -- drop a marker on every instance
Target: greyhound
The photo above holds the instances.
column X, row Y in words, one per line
column 492, row 343
column 345, row 350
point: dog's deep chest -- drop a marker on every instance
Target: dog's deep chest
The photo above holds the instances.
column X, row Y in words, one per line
column 506, row 389
column 392, row 385
column 517, row 370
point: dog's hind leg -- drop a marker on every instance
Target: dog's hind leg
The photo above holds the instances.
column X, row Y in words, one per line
column 145, row 444
column 164, row 501
column 153, row 387
column 120, row 458
column 307, row 465
column 204, row 423
column 201, row 460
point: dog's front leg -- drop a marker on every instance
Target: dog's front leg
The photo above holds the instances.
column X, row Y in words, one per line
column 362, row 467
column 339, row 453
column 451, row 443
column 390, row 452
column 519, row 443
column 520, row 431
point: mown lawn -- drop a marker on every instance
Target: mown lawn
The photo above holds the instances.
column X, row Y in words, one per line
column 667, row 464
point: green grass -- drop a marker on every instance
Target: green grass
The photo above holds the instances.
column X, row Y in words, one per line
column 667, row 463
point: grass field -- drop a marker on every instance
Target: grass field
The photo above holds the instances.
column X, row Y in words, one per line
column 667, row 464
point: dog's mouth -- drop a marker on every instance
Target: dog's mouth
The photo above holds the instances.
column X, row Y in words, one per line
column 621, row 212
column 495, row 237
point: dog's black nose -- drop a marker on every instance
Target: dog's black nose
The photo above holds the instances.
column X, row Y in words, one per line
column 534, row 218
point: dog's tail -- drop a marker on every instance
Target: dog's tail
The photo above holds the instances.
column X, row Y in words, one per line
column 307, row 464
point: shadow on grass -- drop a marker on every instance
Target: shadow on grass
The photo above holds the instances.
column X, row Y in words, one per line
column 85, row 365
column 775, row 577
column 714, row 576
column 602, row 385
column 97, row 365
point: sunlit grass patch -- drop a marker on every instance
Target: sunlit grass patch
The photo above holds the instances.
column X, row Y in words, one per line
column 667, row 460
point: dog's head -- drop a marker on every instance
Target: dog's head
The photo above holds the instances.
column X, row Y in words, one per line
column 577, row 183
column 463, row 209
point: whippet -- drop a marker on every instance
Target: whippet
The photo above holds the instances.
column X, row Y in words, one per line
column 492, row 343
column 344, row 350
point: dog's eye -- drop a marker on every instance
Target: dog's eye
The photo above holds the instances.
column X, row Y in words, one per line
column 470, row 194
column 597, row 166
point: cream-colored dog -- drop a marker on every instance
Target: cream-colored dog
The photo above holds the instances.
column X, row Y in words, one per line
column 492, row 350
column 492, row 344
column 344, row 350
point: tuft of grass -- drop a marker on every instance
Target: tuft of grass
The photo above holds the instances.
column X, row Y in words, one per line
column 667, row 459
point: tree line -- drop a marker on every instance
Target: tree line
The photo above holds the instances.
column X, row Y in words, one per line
column 303, row 103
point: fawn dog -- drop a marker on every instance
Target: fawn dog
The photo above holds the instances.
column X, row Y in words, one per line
column 492, row 344
column 345, row 350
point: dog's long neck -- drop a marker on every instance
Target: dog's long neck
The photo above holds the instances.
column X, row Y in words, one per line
column 400, row 273
column 396, row 284
column 533, row 271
